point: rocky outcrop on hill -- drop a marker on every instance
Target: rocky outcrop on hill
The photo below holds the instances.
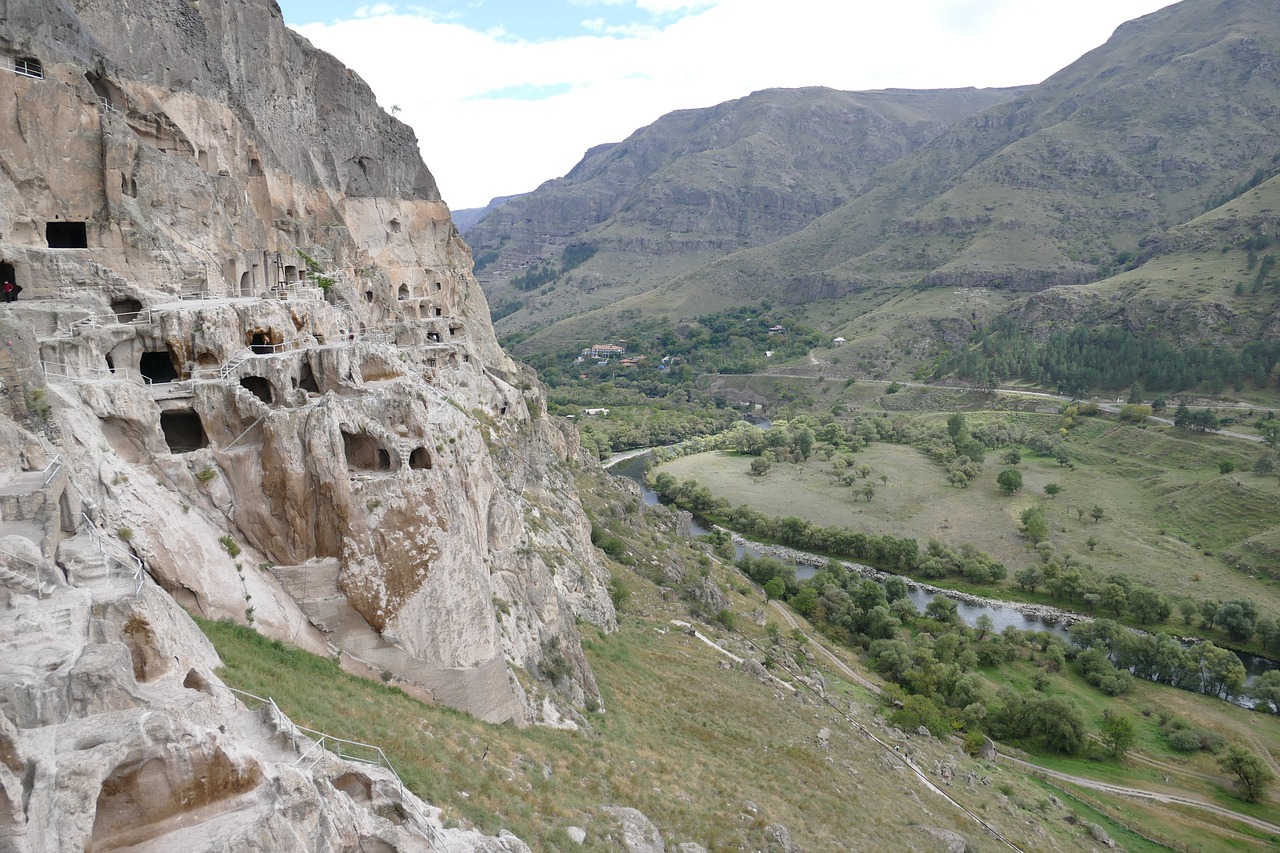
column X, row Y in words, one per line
column 249, row 363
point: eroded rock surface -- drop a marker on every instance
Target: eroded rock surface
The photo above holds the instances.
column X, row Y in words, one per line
column 249, row 372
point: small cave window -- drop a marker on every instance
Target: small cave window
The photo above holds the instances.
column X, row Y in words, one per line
column 183, row 431
column 368, row 296
column 66, row 235
column 466, row 358
column 503, row 409
column 433, row 337
column 28, row 66
column 439, row 311
column 128, row 185
column 158, row 367
column 454, row 331
column 246, row 284
column 307, row 380
column 111, row 364
column 431, row 362
column 403, row 292
column 364, row 453
column 7, row 272
column 126, row 310
column 420, row 459
column 395, row 226
column 290, row 273
column 255, row 167
column 258, row 387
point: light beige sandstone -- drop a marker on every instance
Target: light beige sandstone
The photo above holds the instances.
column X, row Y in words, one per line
column 384, row 473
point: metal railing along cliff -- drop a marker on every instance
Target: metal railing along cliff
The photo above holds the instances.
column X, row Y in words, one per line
column 114, row 553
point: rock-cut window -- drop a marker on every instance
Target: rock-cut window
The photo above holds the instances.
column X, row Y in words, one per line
column 28, row 66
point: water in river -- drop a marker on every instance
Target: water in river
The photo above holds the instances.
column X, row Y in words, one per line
column 1003, row 617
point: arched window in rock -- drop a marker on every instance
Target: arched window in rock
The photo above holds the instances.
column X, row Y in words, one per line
column 420, row 459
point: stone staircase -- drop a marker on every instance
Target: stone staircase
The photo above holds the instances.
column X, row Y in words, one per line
column 233, row 363
column 83, row 561
column 22, row 572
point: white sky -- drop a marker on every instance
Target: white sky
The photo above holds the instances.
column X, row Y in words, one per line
column 505, row 101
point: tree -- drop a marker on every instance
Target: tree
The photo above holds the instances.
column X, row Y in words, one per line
column 1052, row 489
column 760, row 466
column 868, row 492
column 1117, row 733
column 775, row 588
column 1253, row 777
column 1114, row 598
column 1097, row 513
column 1029, row 578
column 1034, row 523
column 1009, row 480
column 1092, row 542
column 1271, row 435
column 941, row 608
column 1266, row 689
column 1013, row 456
column 1148, row 606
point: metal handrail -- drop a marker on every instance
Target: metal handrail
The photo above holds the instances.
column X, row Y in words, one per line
column 319, row 739
column 33, row 567
column 96, row 374
column 52, row 469
column 112, row 551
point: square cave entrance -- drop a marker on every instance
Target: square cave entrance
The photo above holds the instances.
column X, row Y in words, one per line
column 183, row 431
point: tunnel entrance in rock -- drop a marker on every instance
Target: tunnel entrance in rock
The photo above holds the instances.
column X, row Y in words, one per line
column 66, row 235
column 246, row 284
column 157, row 366
column 183, row 431
column 260, row 343
column 126, row 310
column 258, row 387
column 364, row 453
column 403, row 292
column 307, row 380
column 7, row 272
column 420, row 459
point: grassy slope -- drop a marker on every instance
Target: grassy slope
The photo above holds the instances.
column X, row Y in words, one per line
column 1166, row 504
column 691, row 744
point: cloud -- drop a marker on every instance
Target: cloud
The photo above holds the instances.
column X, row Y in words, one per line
column 497, row 114
column 374, row 11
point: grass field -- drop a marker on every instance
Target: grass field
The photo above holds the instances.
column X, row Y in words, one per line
column 710, row 754
column 1168, row 512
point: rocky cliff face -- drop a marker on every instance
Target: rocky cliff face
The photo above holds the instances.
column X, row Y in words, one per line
column 249, row 352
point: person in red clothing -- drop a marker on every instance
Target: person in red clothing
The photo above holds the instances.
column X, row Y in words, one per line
column 10, row 292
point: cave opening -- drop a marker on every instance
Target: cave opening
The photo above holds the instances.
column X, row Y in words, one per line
column 66, row 235
column 420, row 459
column 258, row 387
column 183, row 431
column 307, row 380
column 126, row 309
column 364, row 453
column 260, row 343
column 157, row 366
column 403, row 292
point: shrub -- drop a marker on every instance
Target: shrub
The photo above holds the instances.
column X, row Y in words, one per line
column 1185, row 740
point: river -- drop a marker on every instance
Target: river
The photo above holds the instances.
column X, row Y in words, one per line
column 1024, row 617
